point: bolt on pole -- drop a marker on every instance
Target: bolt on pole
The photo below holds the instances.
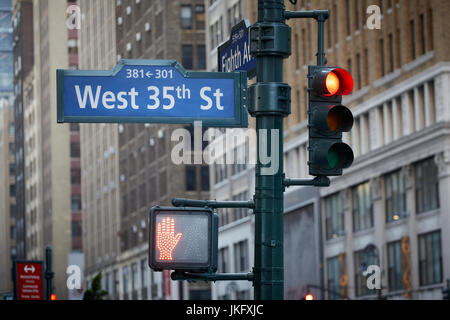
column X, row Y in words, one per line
column 269, row 104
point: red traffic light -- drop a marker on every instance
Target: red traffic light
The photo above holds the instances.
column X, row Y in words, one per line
column 53, row 296
column 309, row 296
column 330, row 82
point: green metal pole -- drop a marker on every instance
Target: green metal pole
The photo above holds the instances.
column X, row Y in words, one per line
column 269, row 104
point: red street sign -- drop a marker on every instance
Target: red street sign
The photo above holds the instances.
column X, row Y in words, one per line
column 29, row 280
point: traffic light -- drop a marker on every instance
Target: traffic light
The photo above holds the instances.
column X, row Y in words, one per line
column 309, row 296
column 183, row 239
column 327, row 119
column 53, row 296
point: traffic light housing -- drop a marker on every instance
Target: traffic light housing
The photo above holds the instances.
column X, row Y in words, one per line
column 328, row 119
column 183, row 239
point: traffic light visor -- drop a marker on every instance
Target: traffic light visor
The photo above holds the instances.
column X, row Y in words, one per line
column 345, row 81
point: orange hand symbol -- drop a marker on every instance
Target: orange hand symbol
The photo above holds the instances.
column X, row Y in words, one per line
column 166, row 240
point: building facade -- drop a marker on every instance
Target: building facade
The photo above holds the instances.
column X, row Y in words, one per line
column 99, row 155
column 7, row 198
column 390, row 208
column 55, row 47
column 8, row 249
column 387, row 209
column 148, row 177
column 231, row 180
column 23, row 63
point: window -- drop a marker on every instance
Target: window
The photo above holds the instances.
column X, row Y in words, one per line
column 116, row 282
column 186, row 17
column 366, row 66
column 427, row 186
column 430, row 28
column 74, row 127
column 144, row 278
column 134, row 271
column 223, row 217
column 382, row 58
column 199, row 16
column 74, row 150
column 362, row 207
column 132, row 200
column 430, row 258
column 347, row 17
column 163, row 183
column 335, row 271
column 395, row 195
column 142, row 195
column 187, row 56
column 241, row 262
column 201, row 57
column 305, row 62
column 75, row 176
column 240, row 213
column 297, row 51
column 76, row 202
column 76, row 229
column 358, row 71
column 396, row 265
column 222, row 265
column 152, row 190
column 205, row 178
column 413, row 40
column 191, row 181
column 212, row 38
column 334, row 219
column 126, row 278
column 159, row 24
column 422, row 34
column 391, row 53
column 363, row 259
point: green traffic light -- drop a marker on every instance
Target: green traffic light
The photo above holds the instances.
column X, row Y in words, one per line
column 333, row 158
column 340, row 156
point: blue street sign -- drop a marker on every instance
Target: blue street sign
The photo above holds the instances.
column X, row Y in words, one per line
column 235, row 53
column 156, row 91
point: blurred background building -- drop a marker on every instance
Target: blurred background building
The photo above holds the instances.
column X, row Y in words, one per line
column 373, row 213
column 7, row 197
column 390, row 207
column 99, row 155
column 8, row 229
column 231, row 181
column 155, row 30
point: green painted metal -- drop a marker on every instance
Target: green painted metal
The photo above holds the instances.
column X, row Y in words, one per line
column 268, row 270
column 180, row 202
column 177, row 275
column 240, row 95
